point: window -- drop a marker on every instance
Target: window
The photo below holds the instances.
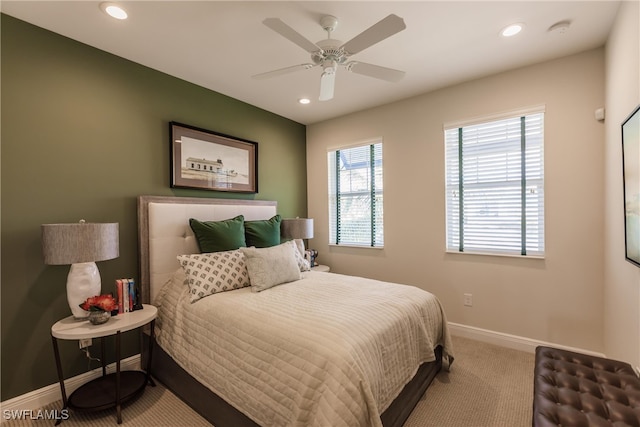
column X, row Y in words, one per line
column 495, row 185
column 355, row 196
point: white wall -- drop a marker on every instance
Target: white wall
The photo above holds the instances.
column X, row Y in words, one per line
column 558, row 299
column 622, row 279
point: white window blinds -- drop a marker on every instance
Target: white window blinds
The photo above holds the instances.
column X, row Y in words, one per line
column 495, row 186
column 355, row 196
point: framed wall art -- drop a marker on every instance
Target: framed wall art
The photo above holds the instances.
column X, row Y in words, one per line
column 631, row 185
column 212, row 161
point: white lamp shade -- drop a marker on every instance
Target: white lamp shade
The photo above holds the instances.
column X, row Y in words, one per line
column 297, row 228
column 80, row 244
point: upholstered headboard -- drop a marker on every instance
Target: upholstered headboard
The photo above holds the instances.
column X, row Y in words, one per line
column 164, row 232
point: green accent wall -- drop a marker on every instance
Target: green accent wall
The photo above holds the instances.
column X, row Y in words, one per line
column 83, row 134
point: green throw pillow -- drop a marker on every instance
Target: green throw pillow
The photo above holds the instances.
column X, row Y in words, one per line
column 263, row 234
column 217, row 236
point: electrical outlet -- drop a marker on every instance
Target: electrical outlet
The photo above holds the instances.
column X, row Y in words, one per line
column 84, row 343
column 468, row 300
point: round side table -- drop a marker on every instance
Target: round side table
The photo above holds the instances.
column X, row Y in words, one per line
column 108, row 390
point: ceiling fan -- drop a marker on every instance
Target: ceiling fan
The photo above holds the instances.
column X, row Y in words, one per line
column 329, row 54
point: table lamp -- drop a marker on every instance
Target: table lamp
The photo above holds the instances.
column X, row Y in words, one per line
column 296, row 228
column 81, row 245
column 299, row 228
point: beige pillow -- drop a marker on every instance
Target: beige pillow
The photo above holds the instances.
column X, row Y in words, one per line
column 271, row 266
column 214, row 272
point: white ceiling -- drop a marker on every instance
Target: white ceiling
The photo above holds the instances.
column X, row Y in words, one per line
column 220, row 45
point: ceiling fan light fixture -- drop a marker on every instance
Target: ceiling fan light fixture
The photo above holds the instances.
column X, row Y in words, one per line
column 329, row 54
column 329, row 66
column 113, row 10
column 511, row 30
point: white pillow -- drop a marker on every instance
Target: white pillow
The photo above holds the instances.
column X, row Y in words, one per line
column 271, row 266
column 213, row 272
column 303, row 264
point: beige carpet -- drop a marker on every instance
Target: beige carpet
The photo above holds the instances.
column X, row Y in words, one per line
column 488, row 386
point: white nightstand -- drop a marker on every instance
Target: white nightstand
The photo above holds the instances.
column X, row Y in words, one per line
column 110, row 390
column 320, row 267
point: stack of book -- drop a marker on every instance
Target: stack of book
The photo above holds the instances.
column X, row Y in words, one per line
column 126, row 295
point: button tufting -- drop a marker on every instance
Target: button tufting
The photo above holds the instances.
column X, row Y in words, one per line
column 596, row 387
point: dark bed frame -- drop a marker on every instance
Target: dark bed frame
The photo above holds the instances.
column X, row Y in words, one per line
column 215, row 409
column 221, row 414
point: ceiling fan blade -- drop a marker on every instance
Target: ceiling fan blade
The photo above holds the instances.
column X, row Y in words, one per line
column 327, row 82
column 375, row 71
column 292, row 35
column 282, row 71
column 377, row 32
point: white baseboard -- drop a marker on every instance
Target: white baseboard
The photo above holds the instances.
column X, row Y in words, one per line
column 509, row 341
column 44, row 396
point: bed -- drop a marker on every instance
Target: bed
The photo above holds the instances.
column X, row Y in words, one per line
column 323, row 349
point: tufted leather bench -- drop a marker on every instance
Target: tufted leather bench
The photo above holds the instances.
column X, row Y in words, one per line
column 574, row 389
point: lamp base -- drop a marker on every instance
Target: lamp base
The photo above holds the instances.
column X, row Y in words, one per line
column 83, row 282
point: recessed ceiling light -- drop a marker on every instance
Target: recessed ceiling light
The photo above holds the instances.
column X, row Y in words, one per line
column 512, row 30
column 304, row 101
column 113, row 10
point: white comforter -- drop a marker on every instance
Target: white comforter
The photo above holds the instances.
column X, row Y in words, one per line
column 327, row 350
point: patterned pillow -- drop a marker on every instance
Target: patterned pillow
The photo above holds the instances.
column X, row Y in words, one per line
column 302, row 262
column 214, row 272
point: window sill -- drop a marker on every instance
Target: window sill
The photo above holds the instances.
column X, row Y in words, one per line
column 496, row 254
column 354, row 246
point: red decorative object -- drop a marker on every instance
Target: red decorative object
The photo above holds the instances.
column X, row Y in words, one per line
column 100, row 303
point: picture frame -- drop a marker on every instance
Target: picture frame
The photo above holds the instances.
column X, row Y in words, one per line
column 631, row 185
column 208, row 160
